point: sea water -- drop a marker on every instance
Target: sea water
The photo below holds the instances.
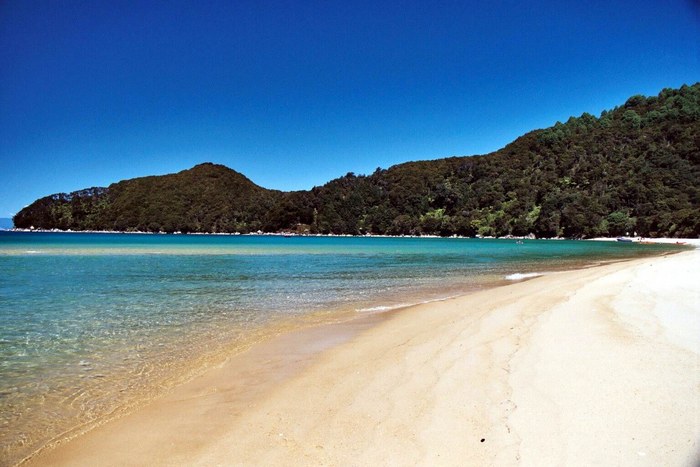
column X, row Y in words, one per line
column 91, row 324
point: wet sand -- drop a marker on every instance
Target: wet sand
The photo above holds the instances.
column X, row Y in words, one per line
column 594, row 366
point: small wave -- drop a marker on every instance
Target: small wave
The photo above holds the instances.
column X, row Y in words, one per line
column 380, row 308
column 518, row 276
column 374, row 309
column 32, row 252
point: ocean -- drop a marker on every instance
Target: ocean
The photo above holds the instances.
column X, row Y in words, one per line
column 93, row 324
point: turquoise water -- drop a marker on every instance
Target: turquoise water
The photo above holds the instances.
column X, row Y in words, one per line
column 90, row 323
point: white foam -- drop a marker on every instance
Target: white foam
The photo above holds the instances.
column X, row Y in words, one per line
column 518, row 276
column 375, row 309
column 380, row 308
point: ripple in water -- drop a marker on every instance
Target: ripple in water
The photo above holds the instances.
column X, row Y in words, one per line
column 92, row 324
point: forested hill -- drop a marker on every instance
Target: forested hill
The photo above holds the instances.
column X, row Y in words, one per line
column 635, row 168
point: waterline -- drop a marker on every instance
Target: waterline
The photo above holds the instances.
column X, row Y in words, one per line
column 92, row 324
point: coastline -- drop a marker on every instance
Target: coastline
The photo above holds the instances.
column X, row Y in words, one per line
column 367, row 235
column 106, row 377
column 425, row 384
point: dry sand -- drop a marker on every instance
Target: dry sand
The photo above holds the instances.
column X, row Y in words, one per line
column 598, row 366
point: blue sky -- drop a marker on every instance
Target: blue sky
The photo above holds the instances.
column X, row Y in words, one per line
column 293, row 94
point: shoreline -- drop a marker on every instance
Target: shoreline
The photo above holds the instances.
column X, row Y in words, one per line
column 649, row 240
column 258, row 365
column 158, row 379
column 212, row 416
column 342, row 323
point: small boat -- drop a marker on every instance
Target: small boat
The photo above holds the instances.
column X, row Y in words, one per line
column 622, row 239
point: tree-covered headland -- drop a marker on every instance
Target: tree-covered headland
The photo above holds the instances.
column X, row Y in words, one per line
column 635, row 168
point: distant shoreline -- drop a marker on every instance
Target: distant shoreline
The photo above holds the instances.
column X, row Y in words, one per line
column 666, row 240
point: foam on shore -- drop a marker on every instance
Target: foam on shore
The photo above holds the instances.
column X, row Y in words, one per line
column 518, row 276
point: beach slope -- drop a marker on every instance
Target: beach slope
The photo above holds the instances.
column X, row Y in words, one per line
column 593, row 366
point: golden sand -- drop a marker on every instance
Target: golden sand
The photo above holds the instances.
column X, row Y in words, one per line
column 599, row 366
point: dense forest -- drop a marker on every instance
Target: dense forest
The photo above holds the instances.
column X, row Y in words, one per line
column 635, row 168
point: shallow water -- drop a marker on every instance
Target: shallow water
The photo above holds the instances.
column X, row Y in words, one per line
column 92, row 323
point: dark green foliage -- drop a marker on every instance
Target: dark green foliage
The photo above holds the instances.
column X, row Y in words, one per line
column 634, row 169
column 81, row 210
column 206, row 198
column 619, row 223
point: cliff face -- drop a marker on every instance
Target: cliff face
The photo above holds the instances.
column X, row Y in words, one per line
column 633, row 168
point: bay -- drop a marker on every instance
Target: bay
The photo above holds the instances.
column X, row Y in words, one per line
column 94, row 323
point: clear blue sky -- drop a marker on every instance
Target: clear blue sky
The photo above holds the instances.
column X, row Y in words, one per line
column 293, row 94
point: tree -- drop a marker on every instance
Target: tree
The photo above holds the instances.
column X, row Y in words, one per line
column 632, row 118
column 620, row 223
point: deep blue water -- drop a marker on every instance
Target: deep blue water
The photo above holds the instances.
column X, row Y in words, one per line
column 90, row 321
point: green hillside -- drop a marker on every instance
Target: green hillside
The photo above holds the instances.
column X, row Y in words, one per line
column 635, row 168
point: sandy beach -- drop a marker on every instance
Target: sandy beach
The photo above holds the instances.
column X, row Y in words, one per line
column 599, row 366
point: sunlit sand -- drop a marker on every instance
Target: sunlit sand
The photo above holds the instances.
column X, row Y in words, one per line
column 594, row 366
